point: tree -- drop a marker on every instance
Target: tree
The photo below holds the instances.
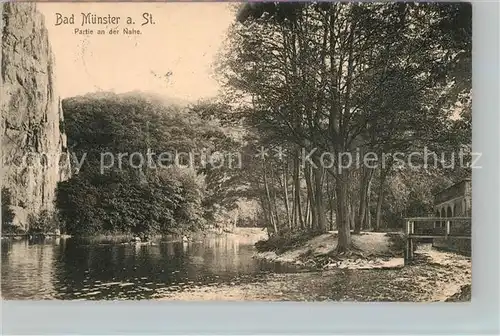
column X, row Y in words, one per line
column 7, row 213
column 336, row 78
column 126, row 184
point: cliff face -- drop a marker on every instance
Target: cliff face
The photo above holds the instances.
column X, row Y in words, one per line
column 34, row 156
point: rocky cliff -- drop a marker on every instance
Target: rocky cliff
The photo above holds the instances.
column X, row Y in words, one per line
column 34, row 156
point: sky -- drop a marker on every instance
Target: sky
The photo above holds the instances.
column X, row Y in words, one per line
column 183, row 42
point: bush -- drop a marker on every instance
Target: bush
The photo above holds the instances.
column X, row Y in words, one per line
column 284, row 241
column 121, row 203
column 130, row 197
column 12, row 229
column 7, row 213
column 45, row 222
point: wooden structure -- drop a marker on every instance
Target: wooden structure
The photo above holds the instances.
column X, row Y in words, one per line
column 447, row 229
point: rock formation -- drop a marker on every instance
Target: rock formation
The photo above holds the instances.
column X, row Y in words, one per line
column 34, row 155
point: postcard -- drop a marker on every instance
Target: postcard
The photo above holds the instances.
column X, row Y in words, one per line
column 298, row 151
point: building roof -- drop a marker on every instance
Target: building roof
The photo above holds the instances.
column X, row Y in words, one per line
column 453, row 185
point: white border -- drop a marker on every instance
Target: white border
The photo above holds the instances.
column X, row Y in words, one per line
column 478, row 317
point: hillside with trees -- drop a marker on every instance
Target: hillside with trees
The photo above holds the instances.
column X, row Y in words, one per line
column 128, row 178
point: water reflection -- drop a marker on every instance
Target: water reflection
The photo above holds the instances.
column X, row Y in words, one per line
column 24, row 262
column 74, row 269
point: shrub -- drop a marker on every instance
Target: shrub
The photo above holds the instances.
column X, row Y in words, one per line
column 133, row 197
column 284, row 241
column 45, row 222
column 7, row 213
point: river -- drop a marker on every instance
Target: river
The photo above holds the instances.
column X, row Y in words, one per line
column 74, row 268
column 211, row 267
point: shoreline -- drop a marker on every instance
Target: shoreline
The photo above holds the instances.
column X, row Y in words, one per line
column 435, row 277
column 251, row 234
column 374, row 250
column 373, row 274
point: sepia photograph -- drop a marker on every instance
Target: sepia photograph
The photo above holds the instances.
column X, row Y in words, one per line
column 244, row 151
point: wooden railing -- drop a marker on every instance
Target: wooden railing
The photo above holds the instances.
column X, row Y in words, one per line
column 435, row 227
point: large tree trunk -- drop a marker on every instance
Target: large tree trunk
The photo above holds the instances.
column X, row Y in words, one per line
column 311, row 196
column 268, row 222
column 270, row 227
column 285, row 187
column 273, row 198
column 297, row 203
column 351, row 213
column 365, row 179
column 330, row 191
column 307, row 212
column 368, row 217
column 344, row 235
column 358, row 223
column 320, row 209
column 378, row 215
column 269, row 203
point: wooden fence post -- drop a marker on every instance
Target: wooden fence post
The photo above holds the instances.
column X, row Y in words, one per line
column 409, row 242
column 407, row 231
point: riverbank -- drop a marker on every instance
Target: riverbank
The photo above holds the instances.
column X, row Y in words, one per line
column 244, row 234
column 248, row 235
column 85, row 269
column 223, row 267
column 20, row 236
column 375, row 272
column 370, row 250
column 435, row 277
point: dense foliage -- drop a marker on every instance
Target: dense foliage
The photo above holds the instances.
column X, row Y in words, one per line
column 7, row 213
column 348, row 78
column 146, row 189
